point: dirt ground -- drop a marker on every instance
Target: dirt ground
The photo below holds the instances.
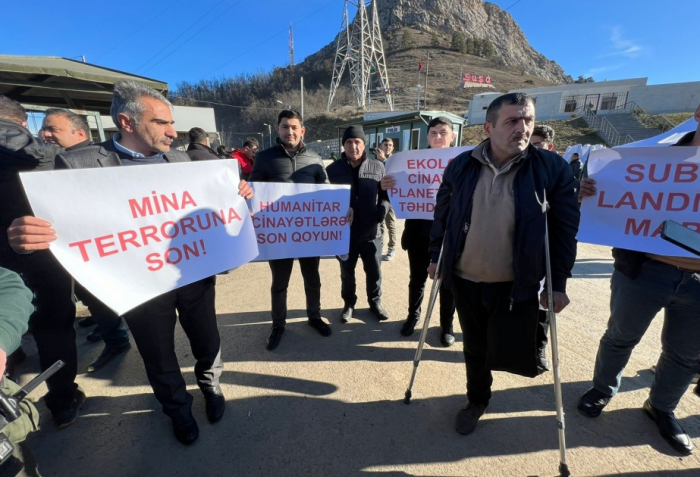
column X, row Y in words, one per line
column 333, row 406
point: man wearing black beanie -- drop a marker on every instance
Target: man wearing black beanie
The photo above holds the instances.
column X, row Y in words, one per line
column 368, row 207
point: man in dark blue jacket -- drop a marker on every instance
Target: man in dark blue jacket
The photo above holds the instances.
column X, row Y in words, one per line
column 489, row 223
column 368, row 206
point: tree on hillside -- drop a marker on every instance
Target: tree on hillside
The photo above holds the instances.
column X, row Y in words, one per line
column 457, row 43
column 434, row 39
column 582, row 79
column 407, row 41
column 478, row 47
column 488, row 49
column 469, row 46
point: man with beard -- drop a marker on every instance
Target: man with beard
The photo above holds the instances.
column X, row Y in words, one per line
column 290, row 161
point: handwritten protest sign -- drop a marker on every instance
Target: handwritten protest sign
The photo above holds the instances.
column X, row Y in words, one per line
column 638, row 189
column 300, row 220
column 129, row 234
column 418, row 176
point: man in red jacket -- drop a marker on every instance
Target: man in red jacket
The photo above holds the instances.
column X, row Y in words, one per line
column 246, row 156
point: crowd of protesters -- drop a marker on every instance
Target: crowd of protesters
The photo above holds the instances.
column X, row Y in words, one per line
column 488, row 228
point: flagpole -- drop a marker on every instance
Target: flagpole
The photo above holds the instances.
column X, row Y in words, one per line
column 427, row 70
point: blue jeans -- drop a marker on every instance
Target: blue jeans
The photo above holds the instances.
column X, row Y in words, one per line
column 633, row 305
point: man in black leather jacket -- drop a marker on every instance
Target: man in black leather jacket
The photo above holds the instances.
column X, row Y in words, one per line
column 368, row 204
column 290, row 161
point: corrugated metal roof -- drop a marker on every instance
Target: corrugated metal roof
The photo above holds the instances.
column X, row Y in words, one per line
column 68, row 68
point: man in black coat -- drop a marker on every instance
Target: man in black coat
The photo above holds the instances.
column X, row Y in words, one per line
column 51, row 285
column 290, row 161
column 489, row 223
column 70, row 132
column 144, row 119
column 199, row 149
column 368, row 206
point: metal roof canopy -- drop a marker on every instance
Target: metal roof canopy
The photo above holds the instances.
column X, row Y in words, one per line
column 63, row 83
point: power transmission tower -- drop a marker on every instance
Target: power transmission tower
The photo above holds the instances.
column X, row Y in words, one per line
column 360, row 48
column 291, row 45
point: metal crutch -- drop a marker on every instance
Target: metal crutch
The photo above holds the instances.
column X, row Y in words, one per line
column 563, row 466
column 437, row 282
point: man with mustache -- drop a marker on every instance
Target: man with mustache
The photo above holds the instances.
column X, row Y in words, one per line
column 145, row 122
column 489, row 223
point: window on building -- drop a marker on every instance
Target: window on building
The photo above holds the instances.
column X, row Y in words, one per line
column 570, row 106
column 415, row 139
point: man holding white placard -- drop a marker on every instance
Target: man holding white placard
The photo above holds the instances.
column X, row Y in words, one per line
column 416, row 240
column 642, row 285
column 290, row 161
column 144, row 119
column 368, row 207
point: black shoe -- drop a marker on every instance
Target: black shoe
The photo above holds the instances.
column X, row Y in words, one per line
column 542, row 362
column 319, row 325
column 346, row 314
column 670, row 430
column 468, row 416
column 592, row 403
column 379, row 312
column 275, row 336
column 107, row 355
column 87, row 322
column 65, row 418
column 215, row 403
column 185, row 429
column 95, row 336
column 408, row 326
column 447, row 337
column 19, row 356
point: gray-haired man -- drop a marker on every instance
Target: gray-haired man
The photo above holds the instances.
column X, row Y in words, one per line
column 145, row 122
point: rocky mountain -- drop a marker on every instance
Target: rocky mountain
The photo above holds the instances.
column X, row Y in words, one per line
column 473, row 18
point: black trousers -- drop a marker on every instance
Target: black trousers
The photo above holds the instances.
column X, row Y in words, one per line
column 418, row 262
column 542, row 329
column 52, row 322
column 495, row 337
column 110, row 325
column 281, row 272
column 153, row 327
column 371, row 254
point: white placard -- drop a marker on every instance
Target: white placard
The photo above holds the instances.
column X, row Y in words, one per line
column 638, row 189
column 418, row 176
column 131, row 233
column 300, row 220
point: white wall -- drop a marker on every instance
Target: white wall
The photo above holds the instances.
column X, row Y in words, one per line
column 667, row 98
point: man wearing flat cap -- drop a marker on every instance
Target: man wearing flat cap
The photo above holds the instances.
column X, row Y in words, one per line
column 368, row 208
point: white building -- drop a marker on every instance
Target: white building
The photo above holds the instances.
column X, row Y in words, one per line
column 563, row 101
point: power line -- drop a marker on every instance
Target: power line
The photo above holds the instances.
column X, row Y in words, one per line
column 180, row 35
column 512, row 5
column 148, row 23
column 198, row 32
column 270, row 38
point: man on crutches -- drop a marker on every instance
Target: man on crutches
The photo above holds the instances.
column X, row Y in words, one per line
column 490, row 226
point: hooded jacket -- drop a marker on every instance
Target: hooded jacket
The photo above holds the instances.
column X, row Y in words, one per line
column 19, row 152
